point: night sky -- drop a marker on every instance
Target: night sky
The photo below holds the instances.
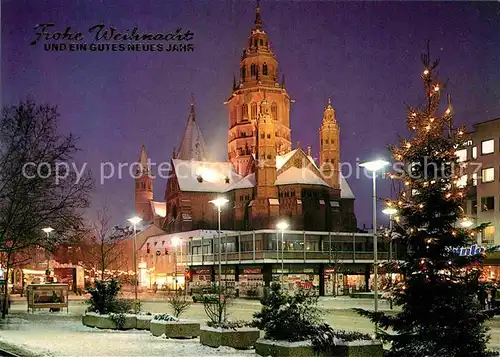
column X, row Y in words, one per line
column 364, row 55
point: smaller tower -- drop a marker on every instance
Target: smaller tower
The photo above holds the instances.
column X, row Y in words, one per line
column 329, row 155
column 143, row 187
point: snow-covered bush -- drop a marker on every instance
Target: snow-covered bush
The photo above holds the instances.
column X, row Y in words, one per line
column 165, row 317
column 229, row 325
column 285, row 317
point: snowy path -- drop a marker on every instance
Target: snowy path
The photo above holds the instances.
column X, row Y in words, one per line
column 53, row 337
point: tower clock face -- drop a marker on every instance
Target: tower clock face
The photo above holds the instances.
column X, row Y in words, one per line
column 248, row 98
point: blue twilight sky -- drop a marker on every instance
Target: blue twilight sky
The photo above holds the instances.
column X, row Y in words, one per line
column 364, row 55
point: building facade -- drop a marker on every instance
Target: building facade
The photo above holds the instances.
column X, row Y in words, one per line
column 265, row 181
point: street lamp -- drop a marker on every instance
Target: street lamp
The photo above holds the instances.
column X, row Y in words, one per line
column 219, row 202
column 135, row 220
column 374, row 166
column 282, row 226
column 390, row 211
column 47, row 230
column 176, row 242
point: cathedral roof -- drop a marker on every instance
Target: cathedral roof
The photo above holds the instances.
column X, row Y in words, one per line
column 159, row 208
column 295, row 175
column 220, row 177
column 204, row 176
column 192, row 145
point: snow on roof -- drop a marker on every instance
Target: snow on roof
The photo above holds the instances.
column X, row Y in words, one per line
column 345, row 189
column 159, row 208
column 294, row 175
column 246, row 182
column 282, row 159
column 205, row 176
column 312, row 161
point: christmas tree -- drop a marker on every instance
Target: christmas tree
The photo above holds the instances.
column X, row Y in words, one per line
column 440, row 315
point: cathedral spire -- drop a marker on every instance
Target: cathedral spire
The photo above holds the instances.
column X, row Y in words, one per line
column 258, row 18
column 329, row 113
column 192, row 146
column 144, row 168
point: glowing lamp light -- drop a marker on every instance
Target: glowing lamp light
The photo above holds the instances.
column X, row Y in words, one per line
column 414, row 115
column 176, row 241
column 135, row 220
column 436, row 89
column 47, row 229
column 426, row 72
column 466, row 223
column 389, row 211
column 282, row 225
column 374, row 165
column 448, row 111
column 219, row 202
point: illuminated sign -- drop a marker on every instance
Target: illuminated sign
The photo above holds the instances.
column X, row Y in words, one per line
column 469, row 251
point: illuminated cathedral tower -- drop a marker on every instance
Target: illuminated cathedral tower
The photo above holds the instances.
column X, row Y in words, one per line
column 329, row 155
column 258, row 75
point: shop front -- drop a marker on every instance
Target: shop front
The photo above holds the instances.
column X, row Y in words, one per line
column 251, row 282
column 345, row 279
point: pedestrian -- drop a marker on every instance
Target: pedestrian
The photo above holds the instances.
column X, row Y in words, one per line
column 481, row 296
column 493, row 297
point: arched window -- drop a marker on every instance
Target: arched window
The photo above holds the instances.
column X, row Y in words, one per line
column 143, row 185
column 244, row 112
column 274, row 111
column 261, row 42
column 243, row 73
column 254, row 111
column 264, row 68
column 252, row 69
column 174, row 211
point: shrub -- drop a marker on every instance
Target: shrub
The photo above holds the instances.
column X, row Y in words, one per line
column 285, row 317
column 229, row 325
column 178, row 303
column 324, row 338
column 215, row 304
column 118, row 319
column 103, row 297
column 165, row 317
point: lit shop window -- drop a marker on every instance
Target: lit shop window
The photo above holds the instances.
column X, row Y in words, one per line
column 488, row 175
column 489, row 234
column 487, row 146
column 474, row 179
column 474, row 152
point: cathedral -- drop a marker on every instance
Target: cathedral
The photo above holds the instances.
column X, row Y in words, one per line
column 265, row 179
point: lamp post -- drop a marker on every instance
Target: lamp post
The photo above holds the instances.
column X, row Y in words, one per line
column 374, row 166
column 47, row 231
column 219, row 202
column 282, row 226
column 390, row 211
column 175, row 242
column 135, row 220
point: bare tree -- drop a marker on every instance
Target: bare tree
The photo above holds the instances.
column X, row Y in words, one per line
column 103, row 247
column 38, row 185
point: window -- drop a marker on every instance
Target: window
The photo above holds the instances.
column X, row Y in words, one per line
column 474, row 179
column 252, row 69
column 462, row 181
column 487, row 146
column 269, row 136
column 487, row 203
column 488, row 175
column 462, row 155
column 274, row 111
column 261, row 42
column 244, row 112
column 264, row 68
column 254, row 111
column 489, row 234
column 474, row 152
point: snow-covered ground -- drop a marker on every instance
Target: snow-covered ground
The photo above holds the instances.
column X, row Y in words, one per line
column 49, row 335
